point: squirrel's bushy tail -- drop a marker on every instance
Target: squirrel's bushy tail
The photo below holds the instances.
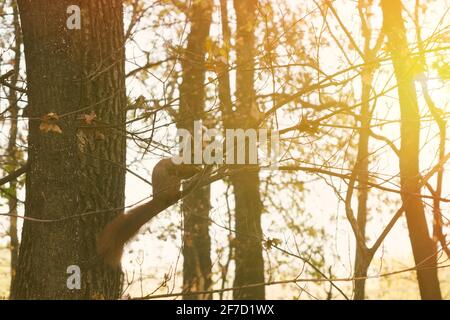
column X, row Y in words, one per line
column 119, row 231
column 166, row 179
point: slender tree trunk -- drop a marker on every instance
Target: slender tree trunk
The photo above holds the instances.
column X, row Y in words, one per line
column 362, row 256
column 248, row 205
column 226, row 108
column 196, row 206
column 226, row 104
column 424, row 249
column 361, row 263
column 75, row 166
column 12, row 150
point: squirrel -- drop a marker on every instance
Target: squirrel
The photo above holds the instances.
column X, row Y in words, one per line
column 166, row 184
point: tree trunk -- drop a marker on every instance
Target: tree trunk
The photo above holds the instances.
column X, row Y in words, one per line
column 80, row 169
column 226, row 109
column 361, row 256
column 248, row 206
column 226, row 104
column 424, row 249
column 196, row 206
column 12, row 142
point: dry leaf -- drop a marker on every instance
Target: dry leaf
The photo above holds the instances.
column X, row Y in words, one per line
column 50, row 116
column 50, row 127
column 99, row 135
column 89, row 118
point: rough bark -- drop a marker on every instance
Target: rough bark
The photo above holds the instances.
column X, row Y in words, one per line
column 196, row 206
column 71, row 73
column 248, row 205
column 424, row 249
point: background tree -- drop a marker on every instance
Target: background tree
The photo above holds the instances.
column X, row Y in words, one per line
column 196, row 206
column 12, row 150
column 360, row 175
column 248, row 206
column 423, row 247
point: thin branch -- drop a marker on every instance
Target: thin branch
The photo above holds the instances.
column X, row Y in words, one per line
column 14, row 175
